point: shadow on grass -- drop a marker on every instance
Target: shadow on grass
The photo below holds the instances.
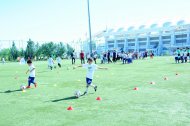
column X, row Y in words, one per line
column 65, row 99
column 11, row 91
column 68, row 98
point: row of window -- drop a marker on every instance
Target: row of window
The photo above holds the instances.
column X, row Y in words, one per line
column 154, row 44
column 151, row 38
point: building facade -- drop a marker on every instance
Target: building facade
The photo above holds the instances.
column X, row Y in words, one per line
column 160, row 40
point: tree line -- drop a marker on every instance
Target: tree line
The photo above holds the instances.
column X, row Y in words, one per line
column 36, row 51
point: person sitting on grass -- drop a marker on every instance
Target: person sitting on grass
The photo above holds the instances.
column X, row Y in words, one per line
column 31, row 71
column 91, row 67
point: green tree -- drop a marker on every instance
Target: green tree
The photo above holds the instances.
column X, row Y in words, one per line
column 30, row 49
column 48, row 49
column 69, row 50
column 60, row 49
column 5, row 53
column 14, row 51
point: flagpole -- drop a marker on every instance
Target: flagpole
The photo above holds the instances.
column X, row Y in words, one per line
column 89, row 26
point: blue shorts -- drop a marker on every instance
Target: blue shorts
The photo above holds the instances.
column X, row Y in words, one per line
column 88, row 81
column 31, row 80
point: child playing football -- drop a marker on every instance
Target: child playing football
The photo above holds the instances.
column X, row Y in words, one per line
column 91, row 67
column 31, row 71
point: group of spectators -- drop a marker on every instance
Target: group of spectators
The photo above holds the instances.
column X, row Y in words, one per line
column 111, row 56
column 182, row 54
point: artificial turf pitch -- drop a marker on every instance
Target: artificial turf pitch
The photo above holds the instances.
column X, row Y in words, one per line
column 165, row 103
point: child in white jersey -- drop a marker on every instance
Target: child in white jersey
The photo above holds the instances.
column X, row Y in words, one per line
column 31, row 71
column 50, row 63
column 91, row 67
column 59, row 61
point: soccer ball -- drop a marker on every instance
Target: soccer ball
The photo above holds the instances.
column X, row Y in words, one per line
column 22, row 87
column 77, row 94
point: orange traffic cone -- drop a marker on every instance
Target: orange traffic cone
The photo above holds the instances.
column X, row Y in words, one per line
column 98, row 99
column 136, row 88
column 70, row 108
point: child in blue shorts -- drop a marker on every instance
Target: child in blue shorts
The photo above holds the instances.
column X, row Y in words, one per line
column 91, row 67
column 31, row 71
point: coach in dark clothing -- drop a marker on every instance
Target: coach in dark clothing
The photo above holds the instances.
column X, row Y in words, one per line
column 114, row 56
column 109, row 60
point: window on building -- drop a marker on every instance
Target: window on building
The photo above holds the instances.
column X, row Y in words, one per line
column 120, row 41
column 154, row 43
column 110, row 42
column 142, row 50
column 131, row 44
column 166, row 37
column 166, row 42
column 181, row 36
column 142, row 39
column 154, row 38
column 181, row 41
column 120, row 45
column 131, row 40
column 110, row 46
column 142, row 44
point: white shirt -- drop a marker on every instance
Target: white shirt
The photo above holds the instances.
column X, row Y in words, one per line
column 130, row 55
column 124, row 55
column 95, row 56
column 50, row 61
column 90, row 70
column 185, row 53
column 32, row 73
column 58, row 59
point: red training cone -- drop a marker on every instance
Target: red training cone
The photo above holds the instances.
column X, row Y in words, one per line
column 98, row 98
column 70, row 108
column 136, row 88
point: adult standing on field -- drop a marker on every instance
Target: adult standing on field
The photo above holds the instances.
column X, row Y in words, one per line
column 114, row 56
column 109, row 55
column 82, row 57
column 73, row 57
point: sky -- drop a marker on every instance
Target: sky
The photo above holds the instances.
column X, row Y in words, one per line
column 67, row 20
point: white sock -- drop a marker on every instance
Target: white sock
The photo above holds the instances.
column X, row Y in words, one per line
column 92, row 85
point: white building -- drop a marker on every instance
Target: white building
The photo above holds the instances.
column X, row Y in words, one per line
column 160, row 40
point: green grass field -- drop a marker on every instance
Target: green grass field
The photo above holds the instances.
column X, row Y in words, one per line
column 167, row 103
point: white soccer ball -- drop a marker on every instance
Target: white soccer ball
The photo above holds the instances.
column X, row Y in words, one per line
column 77, row 94
column 22, row 87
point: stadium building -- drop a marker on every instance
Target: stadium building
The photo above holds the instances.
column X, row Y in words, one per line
column 161, row 40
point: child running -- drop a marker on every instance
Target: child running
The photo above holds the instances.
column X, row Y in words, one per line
column 31, row 71
column 91, row 67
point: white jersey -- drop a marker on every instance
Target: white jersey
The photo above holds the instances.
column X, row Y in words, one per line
column 130, row 55
column 185, row 53
column 32, row 72
column 124, row 56
column 90, row 70
column 95, row 56
column 3, row 60
column 58, row 60
column 50, row 61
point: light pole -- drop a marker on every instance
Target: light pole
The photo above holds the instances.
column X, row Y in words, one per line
column 89, row 25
